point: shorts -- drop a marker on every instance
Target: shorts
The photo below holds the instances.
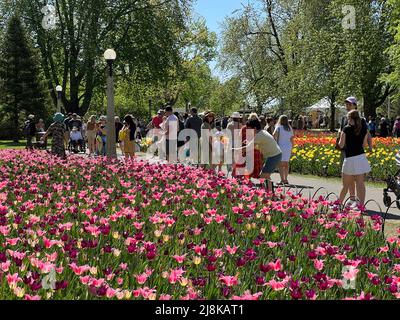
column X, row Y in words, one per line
column 271, row 164
column 356, row 166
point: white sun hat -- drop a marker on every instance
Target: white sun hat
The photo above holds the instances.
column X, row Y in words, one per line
column 236, row 115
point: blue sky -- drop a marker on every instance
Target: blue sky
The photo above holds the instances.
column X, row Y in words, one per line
column 215, row 12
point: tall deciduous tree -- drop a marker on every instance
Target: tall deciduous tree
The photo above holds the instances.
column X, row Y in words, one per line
column 145, row 34
column 299, row 51
column 393, row 75
column 21, row 88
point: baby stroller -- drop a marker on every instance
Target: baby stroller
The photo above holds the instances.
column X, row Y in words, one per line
column 393, row 186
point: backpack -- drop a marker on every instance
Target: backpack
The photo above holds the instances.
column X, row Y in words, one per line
column 122, row 135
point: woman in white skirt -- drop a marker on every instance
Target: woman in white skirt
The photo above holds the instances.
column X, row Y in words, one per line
column 355, row 166
column 284, row 136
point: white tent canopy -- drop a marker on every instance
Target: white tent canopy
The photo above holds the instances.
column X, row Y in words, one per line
column 323, row 105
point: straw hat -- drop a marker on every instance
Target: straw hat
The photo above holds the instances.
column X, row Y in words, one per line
column 209, row 113
column 253, row 116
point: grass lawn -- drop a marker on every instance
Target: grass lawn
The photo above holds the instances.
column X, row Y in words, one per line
column 9, row 144
column 12, row 145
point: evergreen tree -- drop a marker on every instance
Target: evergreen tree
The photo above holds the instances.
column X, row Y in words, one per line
column 21, row 89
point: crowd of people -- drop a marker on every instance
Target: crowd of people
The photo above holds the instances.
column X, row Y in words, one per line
column 384, row 128
column 71, row 133
column 270, row 139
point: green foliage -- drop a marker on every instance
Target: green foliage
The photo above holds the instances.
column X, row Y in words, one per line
column 393, row 75
column 227, row 97
column 21, row 88
column 299, row 51
column 146, row 35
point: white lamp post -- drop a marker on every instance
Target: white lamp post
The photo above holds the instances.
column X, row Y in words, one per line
column 111, row 149
column 59, row 90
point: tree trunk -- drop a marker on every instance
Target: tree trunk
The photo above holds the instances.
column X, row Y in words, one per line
column 15, row 121
column 333, row 113
column 369, row 108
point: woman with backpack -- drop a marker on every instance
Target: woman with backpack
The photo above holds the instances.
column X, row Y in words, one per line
column 284, row 136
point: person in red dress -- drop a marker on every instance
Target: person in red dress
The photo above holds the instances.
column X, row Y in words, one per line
column 258, row 161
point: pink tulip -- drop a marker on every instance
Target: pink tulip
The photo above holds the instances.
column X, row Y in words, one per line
column 32, row 298
column 110, row 293
column 231, row 250
column 180, row 259
column 5, row 266
column 248, row 296
column 229, row 281
column 175, row 275
column 272, row 244
column 12, row 242
column 5, row 230
column 277, row 286
column 220, row 218
column 141, row 278
column 84, row 280
column 319, row 264
column 276, row 266
column 13, row 279
column 79, row 270
column 351, row 274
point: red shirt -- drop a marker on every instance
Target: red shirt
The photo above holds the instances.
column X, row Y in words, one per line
column 157, row 121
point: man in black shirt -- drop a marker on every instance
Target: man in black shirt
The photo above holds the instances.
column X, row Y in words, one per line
column 384, row 128
column 194, row 122
column 75, row 122
column 30, row 131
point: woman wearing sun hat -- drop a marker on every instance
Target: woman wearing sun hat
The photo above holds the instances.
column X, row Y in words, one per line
column 57, row 130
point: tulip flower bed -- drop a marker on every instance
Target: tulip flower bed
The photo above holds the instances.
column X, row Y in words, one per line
column 311, row 154
column 148, row 231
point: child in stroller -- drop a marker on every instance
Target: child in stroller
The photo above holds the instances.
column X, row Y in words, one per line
column 393, row 185
column 77, row 144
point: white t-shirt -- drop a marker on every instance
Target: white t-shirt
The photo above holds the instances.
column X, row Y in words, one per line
column 284, row 136
column 76, row 136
